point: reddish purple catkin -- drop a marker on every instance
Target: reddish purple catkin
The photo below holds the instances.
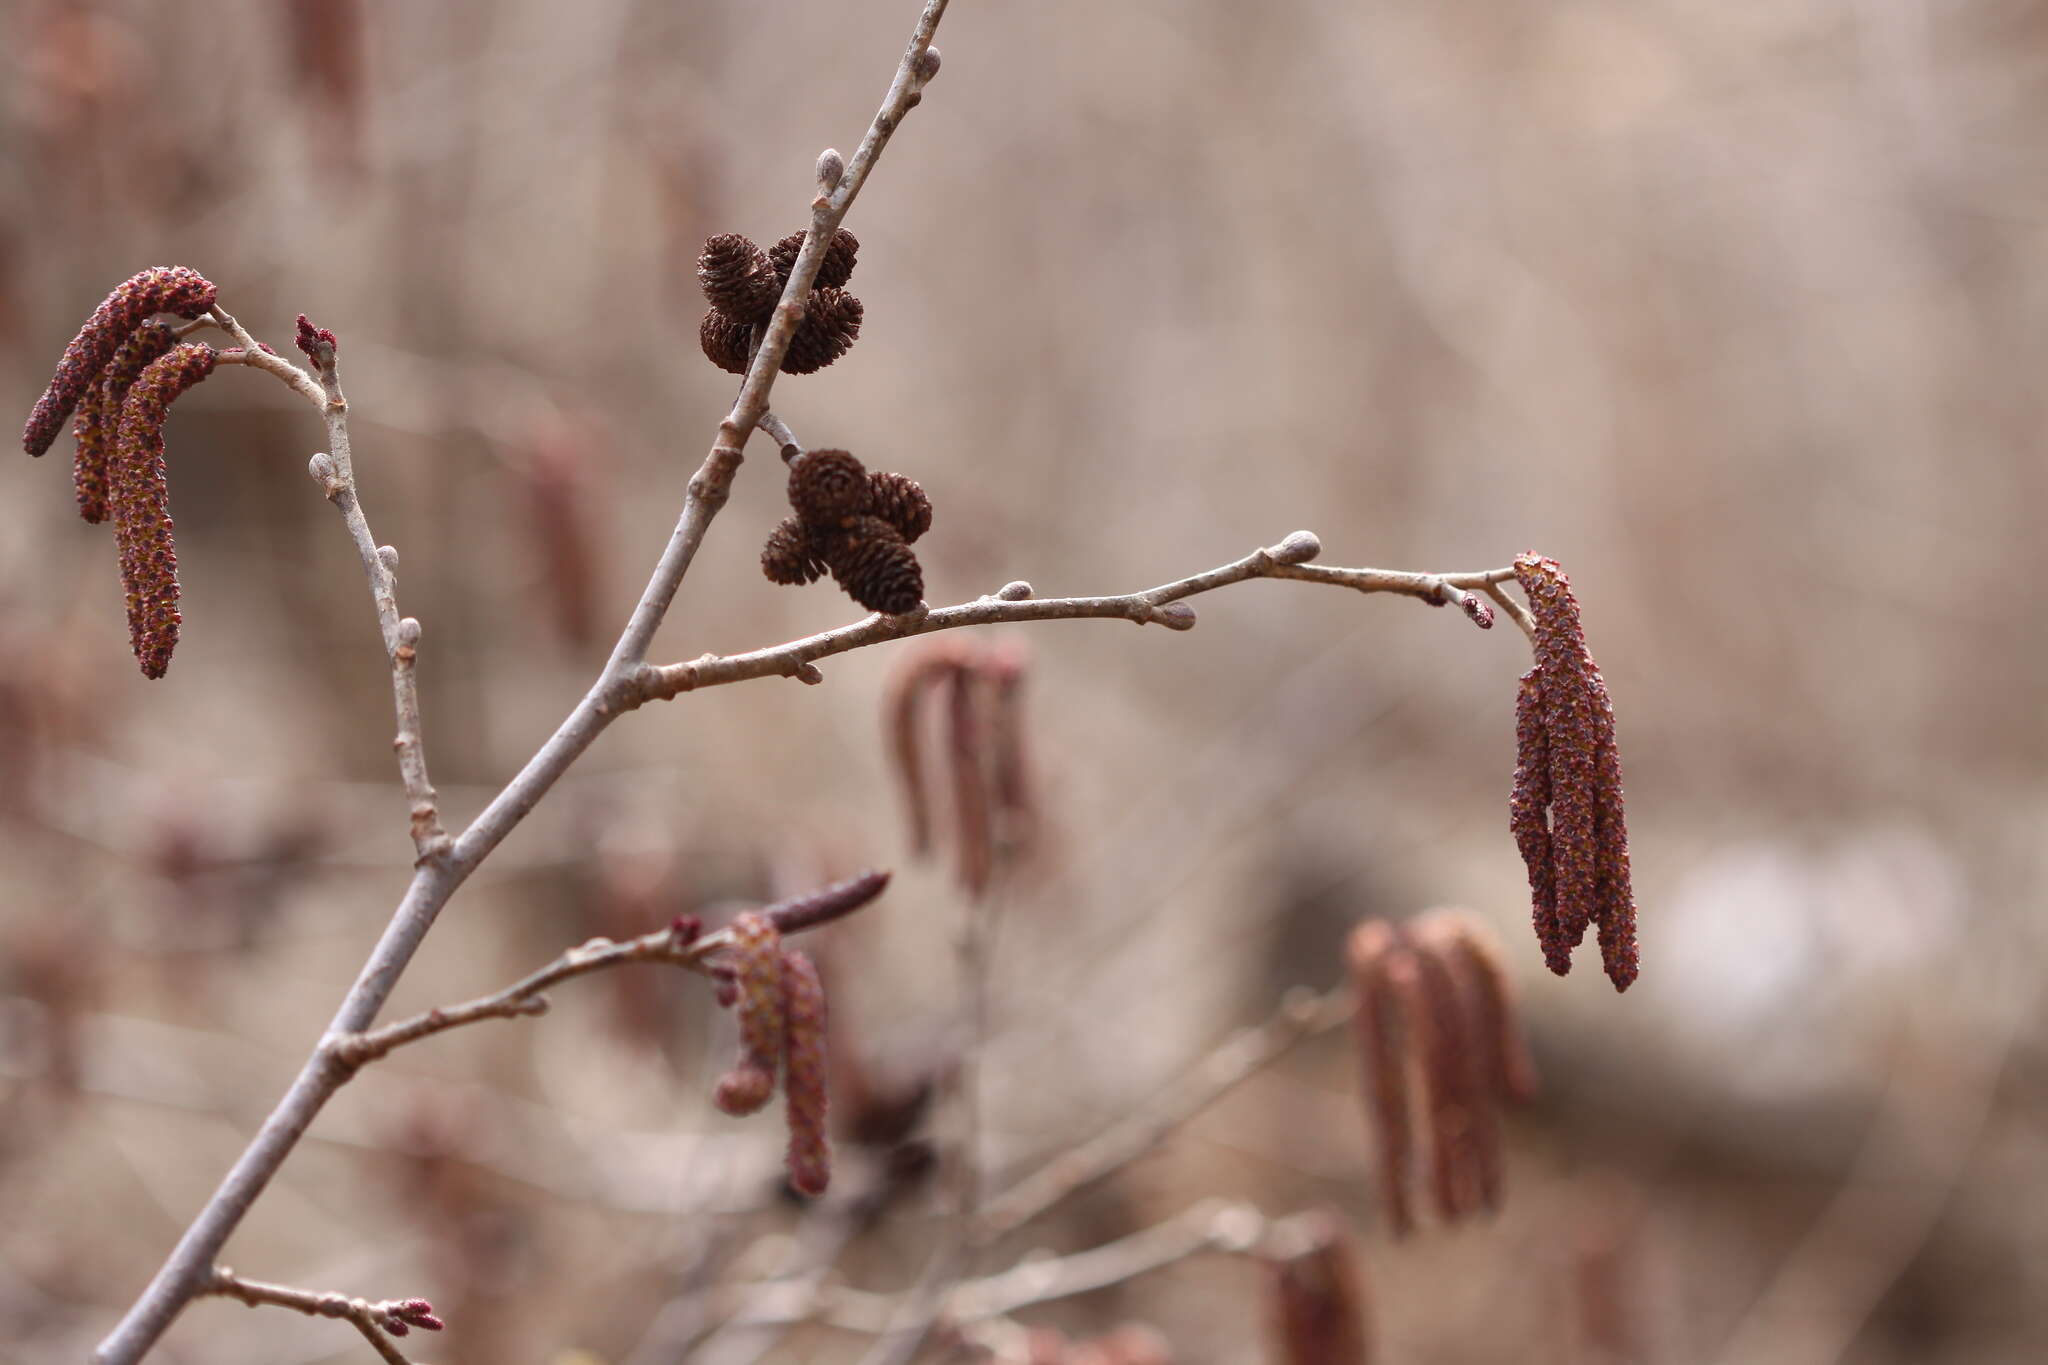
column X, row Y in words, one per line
column 1316, row 1310
column 1383, row 1056
column 803, row 996
column 756, row 954
column 160, row 289
column 1569, row 761
column 140, row 499
column 98, row 427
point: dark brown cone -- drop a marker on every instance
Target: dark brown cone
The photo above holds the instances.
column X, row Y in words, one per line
column 830, row 327
column 833, row 272
column 789, row 556
column 737, row 278
column 726, row 341
column 140, row 499
column 901, row 502
column 160, row 289
column 871, row 562
column 829, row 489
column 99, row 416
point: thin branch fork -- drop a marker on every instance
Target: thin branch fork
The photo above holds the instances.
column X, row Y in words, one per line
column 1156, row 606
column 378, row 1321
column 1302, row 1015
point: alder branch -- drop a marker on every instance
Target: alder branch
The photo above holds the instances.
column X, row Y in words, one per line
column 335, row 473
column 1155, row 606
column 185, row 1272
column 378, row 1321
column 1302, row 1015
column 668, row 946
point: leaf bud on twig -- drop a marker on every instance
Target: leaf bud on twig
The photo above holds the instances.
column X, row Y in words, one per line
column 927, row 65
column 1015, row 591
column 1299, row 547
column 831, row 170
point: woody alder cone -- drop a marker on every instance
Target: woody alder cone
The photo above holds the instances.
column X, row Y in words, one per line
column 736, row 276
column 790, row 557
column 877, row 569
column 901, row 502
column 830, row 327
column 833, row 272
column 828, row 488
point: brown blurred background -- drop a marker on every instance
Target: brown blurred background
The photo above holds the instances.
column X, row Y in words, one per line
column 1734, row 308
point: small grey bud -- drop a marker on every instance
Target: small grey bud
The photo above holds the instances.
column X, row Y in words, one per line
column 927, row 65
column 1298, row 548
column 1019, row 591
column 387, row 555
column 1175, row 616
column 831, row 168
column 409, row 631
column 321, row 467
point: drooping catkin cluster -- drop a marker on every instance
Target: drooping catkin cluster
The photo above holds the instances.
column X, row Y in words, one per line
column 160, row 289
column 742, row 283
column 856, row 524
column 121, row 374
column 780, row 1001
column 994, row 805
column 1316, row 1300
column 1434, row 1003
column 98, row 424
column 1566, row 807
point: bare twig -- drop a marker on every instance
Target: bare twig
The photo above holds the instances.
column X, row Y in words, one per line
column 378, row 1321
column 523, row 997
column 185, row 1273
column 1210, row 1226
column 779, row 432
column 1155, row 606
column 1301, row 1015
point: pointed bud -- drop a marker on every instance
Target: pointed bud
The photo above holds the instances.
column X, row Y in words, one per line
column 831, row 169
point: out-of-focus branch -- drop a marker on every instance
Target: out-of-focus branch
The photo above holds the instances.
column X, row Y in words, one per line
column 1303, row 1014
column 1210, row 1226
column 1156, row 606
column 378, row 1321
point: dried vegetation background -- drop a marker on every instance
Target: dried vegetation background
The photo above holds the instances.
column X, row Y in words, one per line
column 1734, row 308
